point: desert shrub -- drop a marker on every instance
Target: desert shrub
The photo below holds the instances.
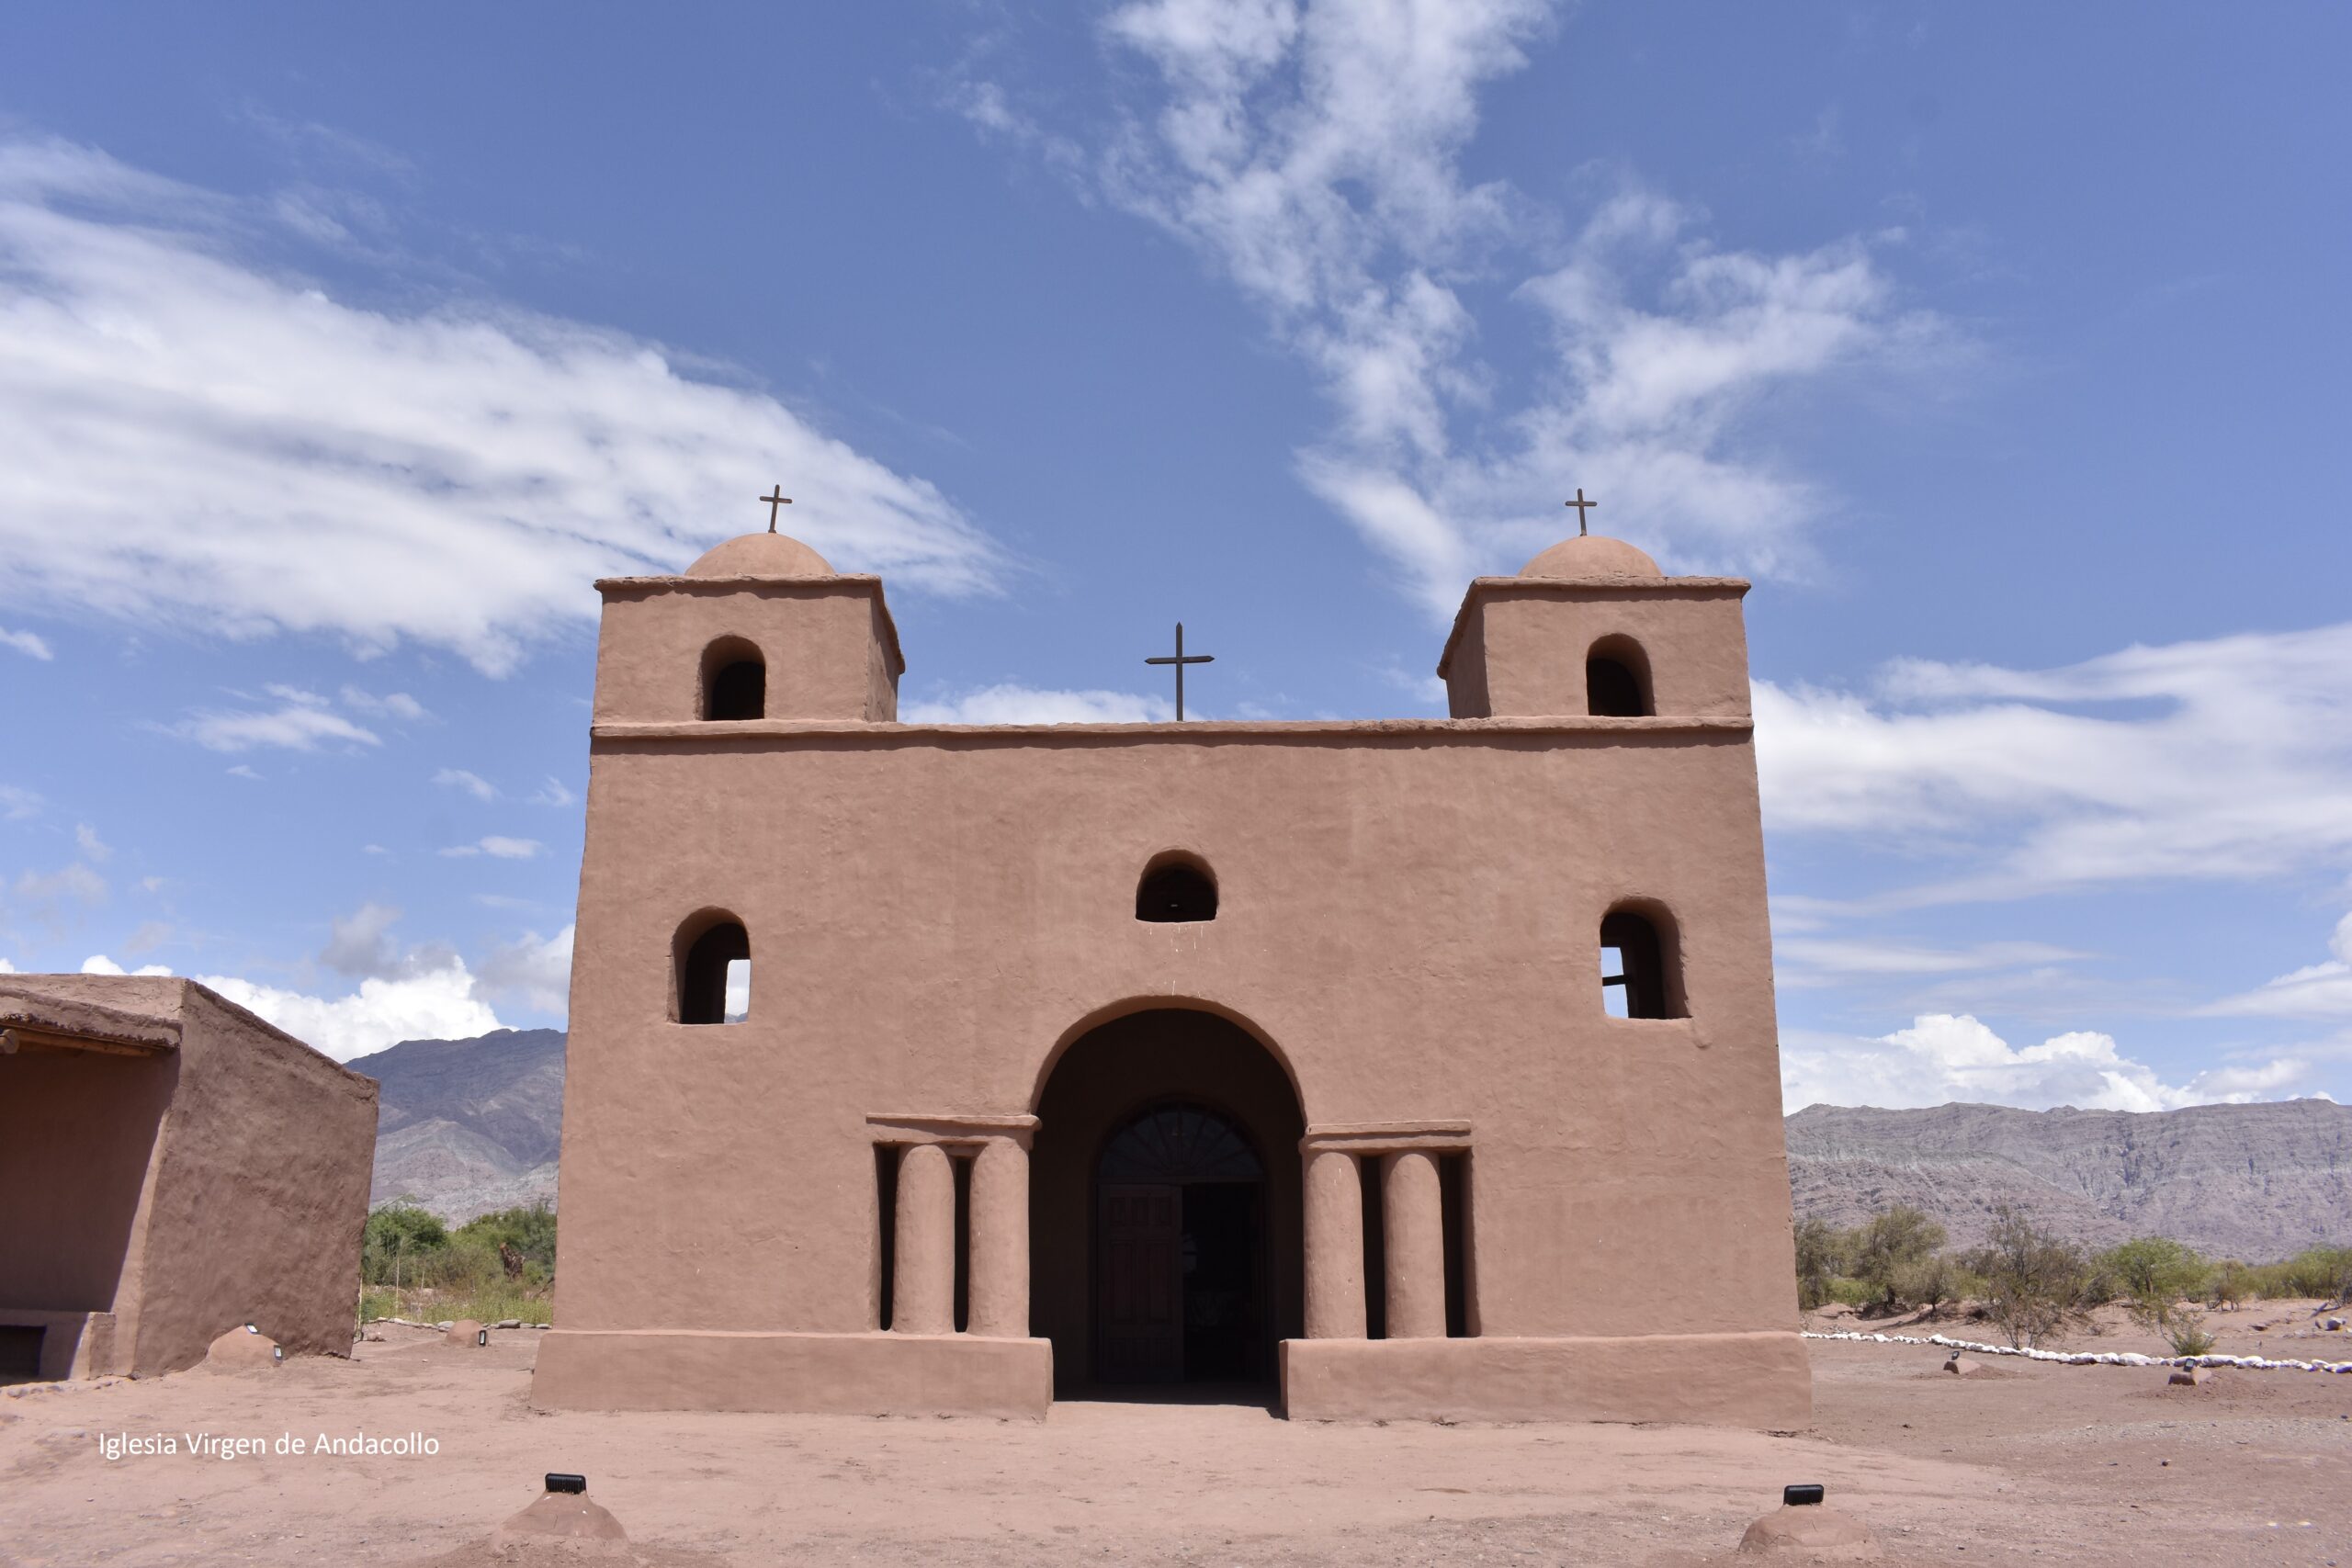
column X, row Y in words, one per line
column 2186, row 1335
column 1932, row 1280
column 2322, row 1271
column 1853, row 1292
column 399, row 1237
column 376, row 1301
column 1891, row 1245
column 2152, row 1275
column 2035, row 1285
column 2230, row 1283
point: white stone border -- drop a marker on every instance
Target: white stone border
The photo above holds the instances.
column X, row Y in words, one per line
column 508, row 1323
column 2087, row 1358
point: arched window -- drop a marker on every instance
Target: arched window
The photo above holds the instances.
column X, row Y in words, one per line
column 1639, row 966
column 734, row 680
column 1617, row 680
column 713, row 955
column 1176, row 887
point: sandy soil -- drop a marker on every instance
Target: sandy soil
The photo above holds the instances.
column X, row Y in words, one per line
column 2069, row 1464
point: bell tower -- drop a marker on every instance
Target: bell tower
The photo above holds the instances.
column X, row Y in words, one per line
column 1592, row 628
column 760, row 628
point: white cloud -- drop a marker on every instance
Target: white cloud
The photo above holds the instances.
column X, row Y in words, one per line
column 18, row 804
column 472, row 783
column 553, row 793
column 99, row 963
column 394, row 705
column 2321, row 991
column 455, row 477
column 1027, row 705
column 434, row 1003
column 498, row 848
column 91, row 844
column 31, row 644
column 6, row 967
column 242, row 771
column 300, row 722
column 1314, row 154
column 537, row 972
column 2226, row 759
column 1943, row 1057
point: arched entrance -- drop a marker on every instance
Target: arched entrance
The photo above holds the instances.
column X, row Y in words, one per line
column 1165, row 1223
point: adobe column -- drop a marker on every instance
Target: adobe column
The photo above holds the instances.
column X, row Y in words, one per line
column 1000, row 1240
column 1413, row 1235
column 922, row 1285
column 1334, row 1246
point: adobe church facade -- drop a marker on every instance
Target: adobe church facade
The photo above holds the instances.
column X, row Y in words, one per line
column 1399, row 1068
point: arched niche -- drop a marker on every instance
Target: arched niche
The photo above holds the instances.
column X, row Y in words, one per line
column 1176, row 887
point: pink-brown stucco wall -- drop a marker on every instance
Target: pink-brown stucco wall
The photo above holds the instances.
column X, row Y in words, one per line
column 1410, row 917
column 255, row 1190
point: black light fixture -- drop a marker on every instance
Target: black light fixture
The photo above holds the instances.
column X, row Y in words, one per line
column 1791, row 1497
column 482, row 1337
column 577, row 1483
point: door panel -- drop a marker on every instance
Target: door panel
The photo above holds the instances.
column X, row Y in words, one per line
column 1140, row 1335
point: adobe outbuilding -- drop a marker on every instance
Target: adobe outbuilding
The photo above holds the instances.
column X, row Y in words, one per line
column 1407, row 1068
column 172, row 1168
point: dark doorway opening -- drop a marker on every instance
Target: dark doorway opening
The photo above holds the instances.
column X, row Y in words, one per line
column 1178, row 1252
column 1165, row 1222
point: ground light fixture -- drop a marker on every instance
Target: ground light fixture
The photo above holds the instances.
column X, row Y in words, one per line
column 579, row 1483
column 1791, row 1497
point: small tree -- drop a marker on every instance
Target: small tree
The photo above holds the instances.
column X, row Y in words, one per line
column 2034, row 1284
column 1820, row 1260
column 1934, row 1280
column 2230, row 1284
column 1893, row 1247
column 2155, row 1274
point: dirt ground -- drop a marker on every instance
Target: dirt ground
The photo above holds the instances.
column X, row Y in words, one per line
column 2067, row 1464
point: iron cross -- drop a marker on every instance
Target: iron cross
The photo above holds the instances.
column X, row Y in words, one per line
column 1582, row 506
column 1180, row 660
column 775, row 498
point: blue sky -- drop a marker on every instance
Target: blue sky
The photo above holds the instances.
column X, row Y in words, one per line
column 2004, row 347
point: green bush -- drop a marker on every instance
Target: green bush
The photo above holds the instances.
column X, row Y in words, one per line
column 1891, row 1247
column 2153, row 1275
column 529, row 1231
column 398, row 1237
column 2037, row 1287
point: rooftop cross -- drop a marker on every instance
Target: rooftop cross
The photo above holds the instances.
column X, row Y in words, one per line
column 775, row 498
column 1180, row 660
column 1582, row 506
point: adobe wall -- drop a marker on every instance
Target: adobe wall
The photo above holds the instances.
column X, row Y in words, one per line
column 246, row 1203
column 261, row 1192
column 1409, row 915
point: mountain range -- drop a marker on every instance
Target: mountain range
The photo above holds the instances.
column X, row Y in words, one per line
column 468, row 1126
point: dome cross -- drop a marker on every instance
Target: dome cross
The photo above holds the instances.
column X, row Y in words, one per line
column 1582, row 506
column 775, row 498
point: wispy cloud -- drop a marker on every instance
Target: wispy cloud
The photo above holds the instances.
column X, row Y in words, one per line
column 29, row 643
column 553, row 793
column 2321, row 990
column 472, row 784
column 392, row 705
column 1313, row 154
column 455, row 477
column 18, row 804
column 498, row 848
column 301, row 722
column 2224, row 759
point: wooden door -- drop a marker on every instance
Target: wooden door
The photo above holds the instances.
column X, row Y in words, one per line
column 1140, row 1328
